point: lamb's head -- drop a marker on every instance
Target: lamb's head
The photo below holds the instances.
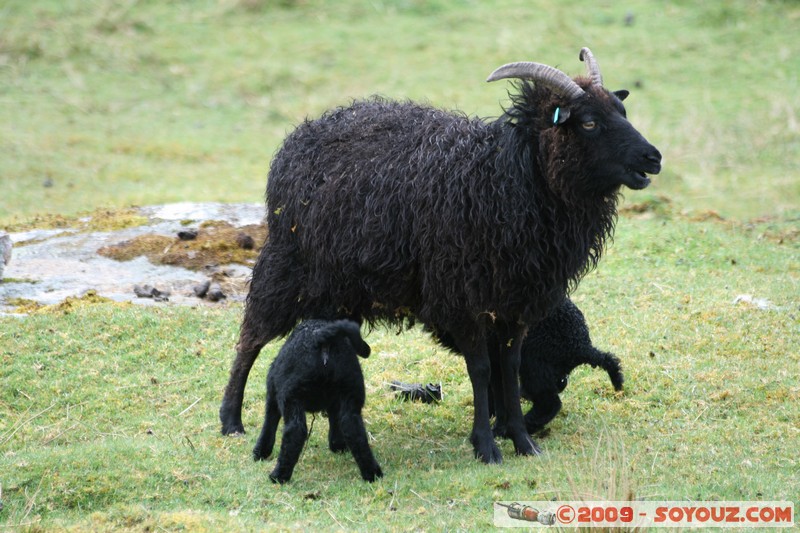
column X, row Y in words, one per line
column 585, row 143
column 544, row 377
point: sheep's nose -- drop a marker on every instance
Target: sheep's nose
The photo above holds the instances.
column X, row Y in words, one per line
column 653, row 156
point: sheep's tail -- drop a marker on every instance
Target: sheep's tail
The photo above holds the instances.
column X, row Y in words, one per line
column 350, row 329
column 610, row 363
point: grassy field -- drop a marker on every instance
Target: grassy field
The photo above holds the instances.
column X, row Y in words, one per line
column 108, row 412
column 109, row 103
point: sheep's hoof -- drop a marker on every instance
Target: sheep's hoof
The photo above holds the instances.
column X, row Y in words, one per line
column 277, row 477
column 372, row 476
column 490, row 457
column 231, row 421
column 235, row 432
column 231, row 427
column 527, row 446
column 260, row 455
column 486, row 450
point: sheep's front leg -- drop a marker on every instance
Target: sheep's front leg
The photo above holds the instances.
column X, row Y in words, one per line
column 514, row 424
column 496, row 401
column 479, row 370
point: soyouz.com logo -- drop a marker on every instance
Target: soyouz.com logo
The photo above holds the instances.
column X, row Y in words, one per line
column 644, row 514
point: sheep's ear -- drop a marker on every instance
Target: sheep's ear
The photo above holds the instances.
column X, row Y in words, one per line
column 621, row 94
column 560, row 115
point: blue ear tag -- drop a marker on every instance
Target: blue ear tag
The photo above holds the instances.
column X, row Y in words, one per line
column 555, row 115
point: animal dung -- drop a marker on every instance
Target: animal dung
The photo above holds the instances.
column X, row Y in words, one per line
column 215, row 293
column 417, row 392
column 202, row 289
column 245, row 241
column 210, row 290
column 187, row 234
column 148, row 291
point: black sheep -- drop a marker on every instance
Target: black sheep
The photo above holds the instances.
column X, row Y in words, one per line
column 389, row 212
column 550, row 352
column 317, row 370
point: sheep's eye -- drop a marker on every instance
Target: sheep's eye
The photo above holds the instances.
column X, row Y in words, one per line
column 589, row 125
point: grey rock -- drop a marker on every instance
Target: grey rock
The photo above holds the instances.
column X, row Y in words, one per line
column 5, row 252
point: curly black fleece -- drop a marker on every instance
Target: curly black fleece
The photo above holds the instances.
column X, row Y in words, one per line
column 385, row 211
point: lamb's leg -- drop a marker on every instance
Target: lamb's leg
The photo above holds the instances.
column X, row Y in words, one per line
column 266, row 441
column 356, row 437
column 295, row 433
column 479, row 370
column 336, row 440
column 545, row 408
column 510, row 346
column 230, row 412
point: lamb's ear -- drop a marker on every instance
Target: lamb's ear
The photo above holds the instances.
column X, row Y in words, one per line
column 362, row 348
column 622, row 94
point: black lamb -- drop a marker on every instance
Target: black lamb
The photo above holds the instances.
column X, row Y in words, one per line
column 317, row 370
column 393, row 212
column 550, row 352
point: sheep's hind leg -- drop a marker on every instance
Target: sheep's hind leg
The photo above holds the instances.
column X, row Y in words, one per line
column 230, row 412
column 355, row 435
column 265, row 318
column 295, row 433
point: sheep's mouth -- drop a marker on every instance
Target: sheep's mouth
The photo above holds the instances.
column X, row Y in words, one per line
column 635, row 179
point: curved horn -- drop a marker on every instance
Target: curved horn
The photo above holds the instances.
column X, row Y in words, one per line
column 537, row 72
column 592, row 68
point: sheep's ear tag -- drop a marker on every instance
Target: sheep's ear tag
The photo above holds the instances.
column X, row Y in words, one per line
column 560, row 116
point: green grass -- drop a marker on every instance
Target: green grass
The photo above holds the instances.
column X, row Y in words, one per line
column 114, row 103
column 108, row 413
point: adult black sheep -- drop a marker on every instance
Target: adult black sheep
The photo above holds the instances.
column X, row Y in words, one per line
column 387, row 211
